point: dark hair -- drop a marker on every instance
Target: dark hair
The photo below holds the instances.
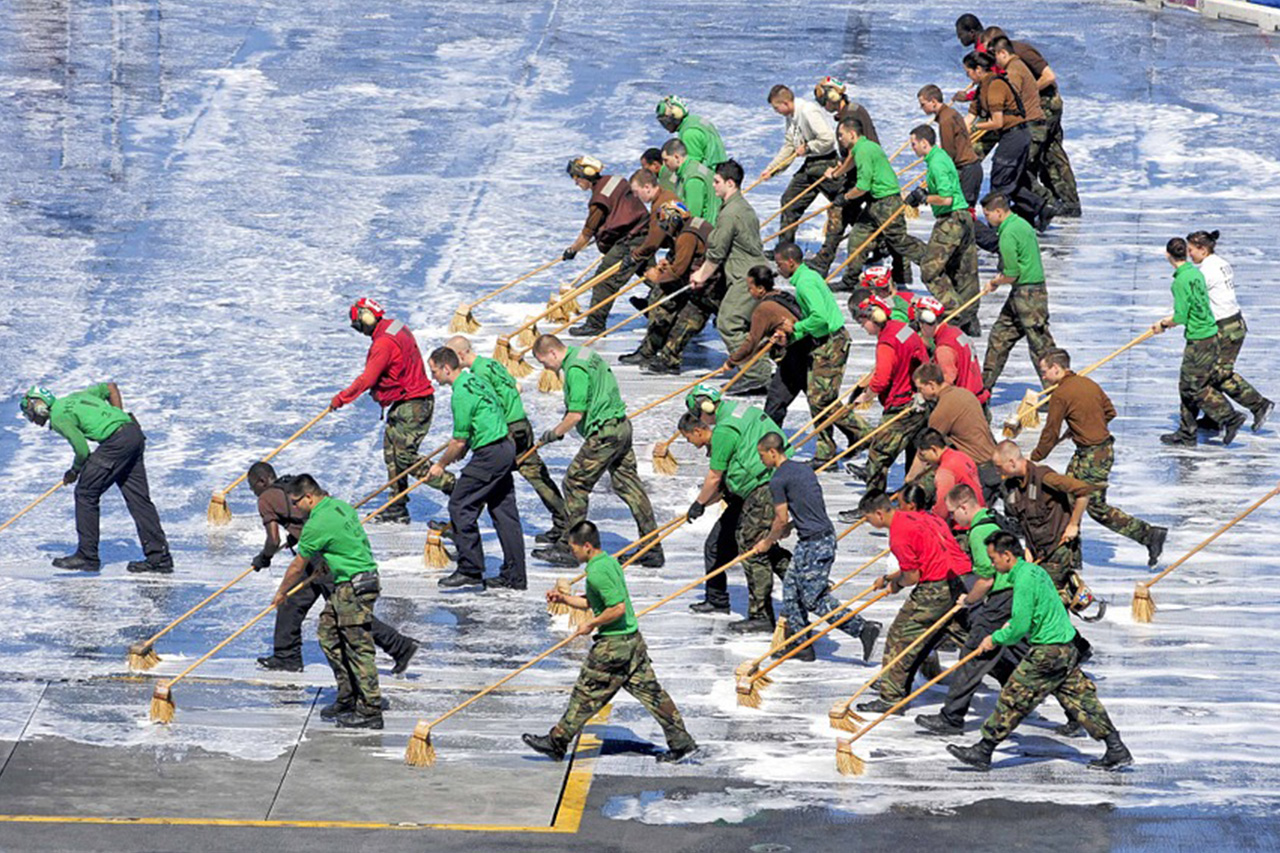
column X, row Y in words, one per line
column 651, row 155
column 1207, row 240
column 1004, row 542
column 644, row 178
column 930, row 439
column 305, row 484
column 968, row 23
column 1177, row 249
column 851, row 123
column 970, row 59
column 674, row 146
column 261, row 471
column 923, row 131
column 984, row 61
column 996, row 201
column 772, row 441
column 874, row 502
column 762, row 275
column 962, row 493
column 545, row 344
column 730, row 170
column 989, row 35
column 914, row 494
column 689, row 422
column 781, row 91
column 928, row 374
column 930, row 93
column 789, row 252
column 585, row 533
column 1058, row 357
column 998, row 44
column 444, row 357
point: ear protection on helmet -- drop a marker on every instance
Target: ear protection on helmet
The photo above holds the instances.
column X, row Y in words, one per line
column 926, row 309
column 365, row 313
column 672, row 107
column 672, row 216
column 36, row 404
column 876, row 309
column 585, row 167
column 703, row 399
column 827, row 89
column 878, row 277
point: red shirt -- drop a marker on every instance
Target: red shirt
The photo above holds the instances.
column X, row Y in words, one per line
column 899, row 351
column 393, row 369
column 955, row 467
column 922, row 542
column 953, row 353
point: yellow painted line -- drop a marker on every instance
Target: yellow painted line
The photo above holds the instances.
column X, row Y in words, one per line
column 567, row 819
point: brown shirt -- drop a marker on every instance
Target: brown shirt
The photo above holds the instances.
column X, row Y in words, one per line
column 767, row 316
column 656, row 237
column 953, row 134
column 1084, row 406
column 1020, row 76
column 958, row 416
column 1036, row 63
column 687, row 248
column 996, row 95
column 853, row 109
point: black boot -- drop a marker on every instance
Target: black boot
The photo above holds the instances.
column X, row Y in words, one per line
column 706, row 606
column 938, row 724
column 978, row 755
column 402, row 659
column 870, row 631
column 1116, row 756
column 1155, row 546
column 159, row 567
column 76, row 563
column 545, row 745
column 637, row 357
column 280, row 664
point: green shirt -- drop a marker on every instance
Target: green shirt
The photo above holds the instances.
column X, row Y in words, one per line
column 1038, row 612
column 666, row 179
column 901, row 309
column 702, row 141
column 693, row 183
column 819, row 314
column 1191, row 303
column 735, row 241
column 477, row 415
column 980, row 530
column 733, row 447
column 333, row 530
column 941, row 178
column 875, row 174
column 605, row 588
column 1020, row 251
column 504, row 387
column 87, row 415
column 590, row 388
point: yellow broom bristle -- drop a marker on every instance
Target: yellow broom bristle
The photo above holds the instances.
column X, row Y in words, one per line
column 848, row 764
column 502, row 351
column 219, row 512
column 1028, row 411
column 1144, row 607
column 558, row 608
column 141, row 658
column 744, row 670
column 911, row 212
column 664, row 462
column 463, row 320
column 550, row 381
column 838, row 716
column 526, row 336
column 779, row 635
column 162, row 704
column 1012, row 427
column 572, row 307
column 748, row 693
column 433, row 553
column 854, row 717
column 420, row 752
column 578, row 615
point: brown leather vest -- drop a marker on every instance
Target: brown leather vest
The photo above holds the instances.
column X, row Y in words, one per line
column 625, row 214
column 1042, row 512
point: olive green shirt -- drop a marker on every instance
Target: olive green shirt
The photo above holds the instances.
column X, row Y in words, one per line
column 942, row 179
column 1020, row 251
column 875, row 173
column 1191, row 303
column 607, row 587
column 86, row 416
column 735, row 241
column 591, row 389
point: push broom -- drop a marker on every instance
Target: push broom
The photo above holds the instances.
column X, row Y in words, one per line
column 502, row 349
column 219, row 513
column 464, row 320
column 566, row 584
column 20, row 513
column 787, row 161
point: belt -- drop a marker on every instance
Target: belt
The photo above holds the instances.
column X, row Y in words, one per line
column 816, row 537
column 1234, row 318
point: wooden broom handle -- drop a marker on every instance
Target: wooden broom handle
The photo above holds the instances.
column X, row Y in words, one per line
column 405, row 473
column 1221, row 530
column 902, row 654
column 802, row 220
column 876, row 233
column 831, row 626
column 151, row 641
column 684, row 388
column 603, row 303
column 793, row 201
column 616, row 326
column 790, row 158
column 660, row 532
column 308, row 425
column 922, row 688
column 513, row 283
column 564, row 298
column 20, row 513
column 1044, row 394
column 901, row 148
column 842, row 454
column 853, row 574
column 398, row 495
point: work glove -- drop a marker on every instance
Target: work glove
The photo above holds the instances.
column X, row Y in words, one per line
column 629, row 265
column 290, row 540
column 336, row 402
column 569, row 254
column 917, row 196
column 843, row 202
column 550, row 437
column 71, row 476
column 919, row 403
column 695, row 511
column 261, row 561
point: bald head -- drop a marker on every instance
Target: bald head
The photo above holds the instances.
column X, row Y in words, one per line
column 1008, row 459
column 462, row 346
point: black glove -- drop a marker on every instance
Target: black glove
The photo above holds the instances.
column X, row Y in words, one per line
column 261, row 561
column 629, row 265
column 917, row 196
column 843, row 201
column 695, row 511
column 569, row 254
column 71, row 475
column 550, row 437
column 290, row 540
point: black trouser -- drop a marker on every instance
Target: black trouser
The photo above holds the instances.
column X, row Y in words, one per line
column 986, row 617
column 118, row 461
column 789, row 380
column 809, row 172
column 971, row 182
column 486, row 482
column 721, row 547
column 290, row 615
column 1009, row 175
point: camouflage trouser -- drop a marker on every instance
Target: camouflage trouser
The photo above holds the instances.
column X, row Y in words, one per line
column 733, row 322
column 1093, row 465
column 838, row 220
column 809, row 172
column 607, row 450
column 895, row 236
column 1231, row 333
column 927, row 603
column 885, row 447
column 826, row 372
column 1025, row 315
column 408, row 423
column 1035, row 154
column 806, row 587
column 611, row 285
column 345, row 638
column 950, row 264
column 1061, row 562
column 1050, row 669
column 619, row 663
column 691, row 319
column 661, row 320
column 743, row 523
column 1200, row 385
column 1055, row 166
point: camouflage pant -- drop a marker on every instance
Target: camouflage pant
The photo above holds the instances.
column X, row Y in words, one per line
column 611, row 285
column 950, row 264
column 885, row 447
column 1035, row 154
column 408, row 423
column 895, row 236
column 607, row 450
column 1200, row 383
column 806, row 587
column 691, row 319
column 743, row 523
column 1231, row 334
column 733, row 322
column 619, row 663
column 832, row 234
column 1025, row 315
column 927, row 603
column 1055, row 166
column 1061, row 562
column 345, row 638
column 661, row 321
column 818, row 371
column 1049, row 669
column 1093, row 465
column 809, row 172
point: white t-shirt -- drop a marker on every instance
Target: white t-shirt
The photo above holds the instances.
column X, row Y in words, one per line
column 1221, row 282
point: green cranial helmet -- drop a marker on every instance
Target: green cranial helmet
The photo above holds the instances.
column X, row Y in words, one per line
column 703, row 399
column 36, row 404
column 671, row 111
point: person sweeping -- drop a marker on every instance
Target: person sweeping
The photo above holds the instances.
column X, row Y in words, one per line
column 619, row 658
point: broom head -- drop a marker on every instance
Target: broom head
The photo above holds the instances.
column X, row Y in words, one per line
column 748, row 693
column 502, row 351
column 664, row 462
column 550, row 381
column 463, row 321
column 219, row 512
column 779, row 638
column 1028, row 411
column 910, row 212
column 433, row 553
column 518, row 367
column 559, row 608
column 1144, row 608
column 848, row 764
column 556, row 314
column 141, row 657
column 526, row 336
column 420, row 752
column 855, row 719
column 1012, row 427
column 578, row 615
column 162, row 704
column 838, row 716
column 571, row 307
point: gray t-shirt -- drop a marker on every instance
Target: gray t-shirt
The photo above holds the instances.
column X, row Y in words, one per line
column 796, row 485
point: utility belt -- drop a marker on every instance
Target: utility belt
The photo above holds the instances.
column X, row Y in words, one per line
column 603, row 425
column 821, row 158
column 364, row 583
column 1237, row 317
